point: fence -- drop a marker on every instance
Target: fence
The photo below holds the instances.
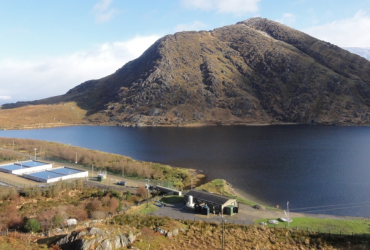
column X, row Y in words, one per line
column 318, row 230
column 17, row 184
column 4, row 233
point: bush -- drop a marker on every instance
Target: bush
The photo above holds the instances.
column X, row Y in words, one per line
column 32, row 225
column 98, row 215
column 128, row 195
column 113, row 205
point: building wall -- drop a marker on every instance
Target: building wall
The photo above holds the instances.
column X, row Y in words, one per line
column 32, row 169
column 77, row 175
column 64, row 177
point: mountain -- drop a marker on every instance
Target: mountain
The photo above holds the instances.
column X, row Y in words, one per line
column 256, row 71
column 364, row 52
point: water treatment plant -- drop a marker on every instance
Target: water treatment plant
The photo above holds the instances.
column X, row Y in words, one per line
column 42, row 171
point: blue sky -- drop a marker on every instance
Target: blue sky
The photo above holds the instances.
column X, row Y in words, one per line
column 48, row 47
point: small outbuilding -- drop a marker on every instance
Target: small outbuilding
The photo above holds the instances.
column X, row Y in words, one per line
column 217, row 204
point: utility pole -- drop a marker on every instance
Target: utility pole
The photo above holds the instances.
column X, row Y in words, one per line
column 92, row 171
column 35, row 153
column 223, row 233
column 123, row 171
column 147, row 192
column 287, row 205
column 76, row 158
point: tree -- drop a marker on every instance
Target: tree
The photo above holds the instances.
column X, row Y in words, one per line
column 113, row 204
column 57, row 219
column 128, row 195
column 32, row 225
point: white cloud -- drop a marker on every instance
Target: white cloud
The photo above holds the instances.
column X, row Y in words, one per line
column 237, row 7
column 102, row 11
column 32, row 80
column 349, row 32
column 287, row 19
column 5, row 97
column 196, row 25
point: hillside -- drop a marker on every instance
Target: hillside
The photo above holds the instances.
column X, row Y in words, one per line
column 256, row 71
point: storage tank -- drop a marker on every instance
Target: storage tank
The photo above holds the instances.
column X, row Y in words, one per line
column 190, row 200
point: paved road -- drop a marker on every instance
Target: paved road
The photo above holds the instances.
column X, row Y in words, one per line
column 246, row 214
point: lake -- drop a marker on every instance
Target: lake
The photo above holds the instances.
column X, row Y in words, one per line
column 323, row 169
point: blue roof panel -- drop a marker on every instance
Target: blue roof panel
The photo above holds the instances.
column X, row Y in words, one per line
column 13, row 167
column 32, row 163
column 65, row 171
column 46, row 175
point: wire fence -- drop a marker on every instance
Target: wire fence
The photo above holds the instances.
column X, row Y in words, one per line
column 336, row 232
column 17, row 184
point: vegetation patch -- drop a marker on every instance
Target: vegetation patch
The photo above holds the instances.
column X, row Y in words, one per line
column 333, row 226
column 173, row 199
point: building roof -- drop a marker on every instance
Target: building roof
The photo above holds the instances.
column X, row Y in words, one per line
column 208, row 197
column 31, row 163
column 65, row 171
column 46, row 175
column 12, row 167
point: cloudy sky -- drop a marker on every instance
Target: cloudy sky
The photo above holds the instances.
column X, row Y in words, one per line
column 48, row 47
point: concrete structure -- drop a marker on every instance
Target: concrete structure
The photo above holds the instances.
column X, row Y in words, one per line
column 217, row 204
column 19, row 168
column 56, row 174
column 167, row 190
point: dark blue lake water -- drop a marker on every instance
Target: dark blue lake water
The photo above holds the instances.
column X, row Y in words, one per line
column 309, row 166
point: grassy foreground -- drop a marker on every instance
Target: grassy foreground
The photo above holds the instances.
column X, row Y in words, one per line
column 333, row 226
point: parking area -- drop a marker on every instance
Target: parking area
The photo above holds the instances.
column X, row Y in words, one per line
column 246, row 214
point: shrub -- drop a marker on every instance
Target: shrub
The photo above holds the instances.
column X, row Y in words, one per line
column 94, row 205
column 113, row 205
column 57, row 219
column 128, row 195
column 105, row 200
column 32, row 225
column 98, row 215
column 142, row 192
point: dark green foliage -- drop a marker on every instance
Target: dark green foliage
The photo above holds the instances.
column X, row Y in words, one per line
column 57, row 220
column 32, row 225
column 128, row 195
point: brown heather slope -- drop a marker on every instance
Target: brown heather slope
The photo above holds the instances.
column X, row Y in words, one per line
column 40, row 116
column 256, row 71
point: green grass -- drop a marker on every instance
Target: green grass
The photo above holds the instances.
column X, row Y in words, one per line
column 334, row 226
column 219, row 185
column 143, row 209
column 173, row 199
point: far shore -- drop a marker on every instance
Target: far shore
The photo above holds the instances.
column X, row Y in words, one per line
column 188, row 125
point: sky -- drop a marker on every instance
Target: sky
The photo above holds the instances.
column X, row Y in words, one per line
column 48, row 47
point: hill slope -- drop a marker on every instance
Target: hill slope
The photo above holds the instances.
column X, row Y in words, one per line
column 256, row 71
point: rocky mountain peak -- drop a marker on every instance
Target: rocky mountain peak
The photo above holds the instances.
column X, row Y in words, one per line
column 256, row 71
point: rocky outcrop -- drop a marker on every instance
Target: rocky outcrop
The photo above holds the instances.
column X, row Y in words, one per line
column 256, row 71
column 96, row 239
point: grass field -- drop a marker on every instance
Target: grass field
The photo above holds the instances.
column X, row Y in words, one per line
column 39, row 116
column 333, row 226
column 173, row 199
column 143, row 209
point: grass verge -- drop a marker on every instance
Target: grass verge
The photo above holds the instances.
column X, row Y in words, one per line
column 143, row 209
column 173, row 199
column 333, row 226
